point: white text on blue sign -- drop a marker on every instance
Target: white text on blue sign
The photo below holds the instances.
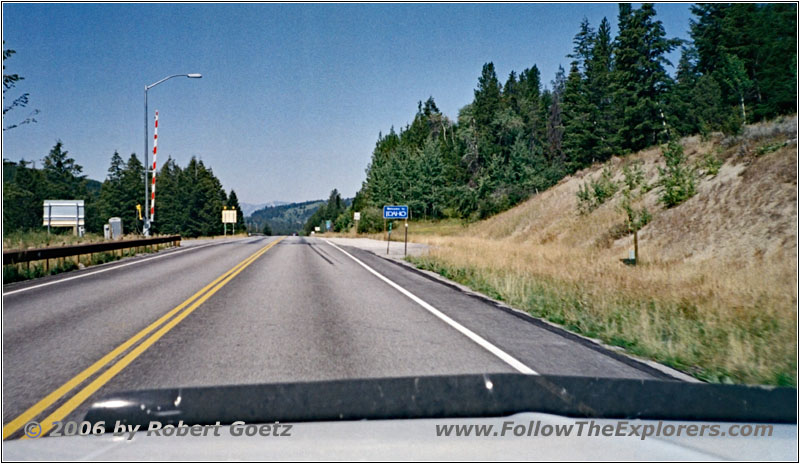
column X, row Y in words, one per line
column 395, row 212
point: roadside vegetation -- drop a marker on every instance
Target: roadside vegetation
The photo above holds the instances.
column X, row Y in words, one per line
column 715, row 291
column 35, row 269
column 189, row 199
column 283, row 219
column 523, row 133
column 22, row 240
column 550, row 185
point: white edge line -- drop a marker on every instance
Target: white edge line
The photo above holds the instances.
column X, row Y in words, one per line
column 110, row 268
column 507, row 358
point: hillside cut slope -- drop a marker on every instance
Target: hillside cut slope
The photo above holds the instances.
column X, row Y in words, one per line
column 715, row 291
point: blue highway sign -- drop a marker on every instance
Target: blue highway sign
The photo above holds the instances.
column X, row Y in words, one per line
column 395, row 212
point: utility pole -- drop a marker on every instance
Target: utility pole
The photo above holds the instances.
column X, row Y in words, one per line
column 146, row 226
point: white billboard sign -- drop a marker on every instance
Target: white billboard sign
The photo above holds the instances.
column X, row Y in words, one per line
column 63, row 213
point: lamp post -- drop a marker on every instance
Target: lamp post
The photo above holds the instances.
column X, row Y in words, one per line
column 147, row 217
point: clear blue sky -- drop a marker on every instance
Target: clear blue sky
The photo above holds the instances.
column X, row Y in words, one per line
column 292, row 96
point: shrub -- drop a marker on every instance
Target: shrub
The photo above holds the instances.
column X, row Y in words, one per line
column 635, row 218
column 634, row 175
column 769, row 148
column 596, row 192
column 604, row 187
column 678, row 180
column 371, row 220
column 711, row 165
column 344, row 222
column 585, row 201
column 733, row 124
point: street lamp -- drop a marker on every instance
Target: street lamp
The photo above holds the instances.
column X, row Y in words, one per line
column 147, row 216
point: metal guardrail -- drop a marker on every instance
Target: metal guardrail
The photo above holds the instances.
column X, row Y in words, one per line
column 37, row 254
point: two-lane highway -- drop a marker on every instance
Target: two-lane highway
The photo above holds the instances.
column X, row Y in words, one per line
column 257, row 310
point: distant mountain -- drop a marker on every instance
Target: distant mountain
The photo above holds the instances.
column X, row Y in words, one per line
column 250, row 208
column 283, row 219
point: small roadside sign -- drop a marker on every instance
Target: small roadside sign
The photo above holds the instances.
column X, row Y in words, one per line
column 316, row 229
column 357, row 216
column 395, row 212
column 328, row 224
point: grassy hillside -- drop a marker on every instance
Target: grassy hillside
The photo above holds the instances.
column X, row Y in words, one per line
column 715, row 293
column 284, row 219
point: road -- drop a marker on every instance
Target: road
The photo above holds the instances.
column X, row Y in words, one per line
column 279, row 310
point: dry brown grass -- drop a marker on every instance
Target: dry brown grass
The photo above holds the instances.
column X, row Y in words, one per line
column 417, row 230
column 716, row 292
column 40, row 238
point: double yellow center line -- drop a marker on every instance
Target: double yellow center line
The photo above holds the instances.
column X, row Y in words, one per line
column 187, row 307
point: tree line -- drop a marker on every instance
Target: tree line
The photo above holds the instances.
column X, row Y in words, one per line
column 282, row 219
column 189, row 200
column 334, row 210
column 518, row 137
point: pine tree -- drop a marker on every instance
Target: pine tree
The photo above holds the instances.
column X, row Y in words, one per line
column 555, row 125
column 776, row 71
column 751, row 44
column 132, row 188
column 599, row 95
column 583, row 96
column 111, row 192
column 23, row 194
column 511, row 93
column 640, row 79
column 171, row 211
column 487, row 98
column 62, row 175
column 579, row 141
column 487, row 103
column 530, row 107
column 584, row 43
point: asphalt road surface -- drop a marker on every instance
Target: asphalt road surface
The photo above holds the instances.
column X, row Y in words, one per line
column 257, row 310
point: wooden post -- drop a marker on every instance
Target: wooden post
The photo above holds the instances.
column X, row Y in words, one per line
column 635, row 247
column 389, row 238
column 405, row 247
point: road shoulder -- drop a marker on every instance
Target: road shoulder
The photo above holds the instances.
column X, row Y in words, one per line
column 395, row 256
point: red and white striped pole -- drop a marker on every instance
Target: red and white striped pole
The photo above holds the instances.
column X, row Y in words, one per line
column 153, row 190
